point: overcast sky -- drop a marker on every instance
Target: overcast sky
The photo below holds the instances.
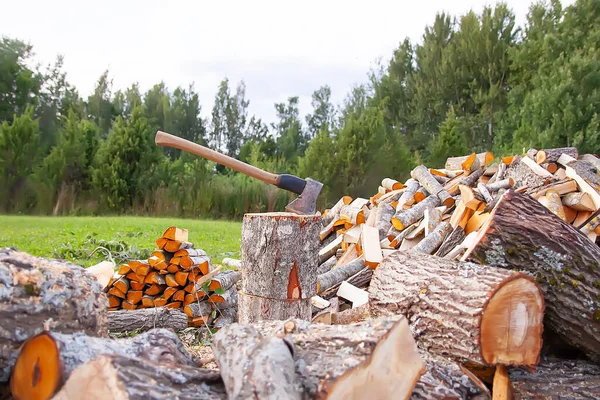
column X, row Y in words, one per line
column 279, row 48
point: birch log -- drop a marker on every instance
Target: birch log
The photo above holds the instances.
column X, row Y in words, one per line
column 408, row 196
column 339, row 274
column 404, row 218
column 552, row 155
column 280, row 255
column 375, row 357
column 385, row 212
column 62, row 353
column 424, row 177
column 334, row 212
column 112, row 377
column 36, row 293
column 457, row 308
column 433, row 241
column 521, row 234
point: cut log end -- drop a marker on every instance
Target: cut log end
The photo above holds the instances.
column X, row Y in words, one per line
column 511, row 326
column 36, row 377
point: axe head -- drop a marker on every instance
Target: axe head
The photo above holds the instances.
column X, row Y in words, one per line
column 306, row 203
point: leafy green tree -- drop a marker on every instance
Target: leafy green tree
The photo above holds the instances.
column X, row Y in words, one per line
column 323, row 115
column 99, row 107
column 127, row 160
column 229, row 119
column 291, row 140
column 19, row 149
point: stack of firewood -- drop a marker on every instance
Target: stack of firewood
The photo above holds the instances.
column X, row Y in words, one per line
column 176, row 276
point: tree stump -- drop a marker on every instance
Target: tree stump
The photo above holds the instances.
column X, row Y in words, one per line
column 374, row 359
column 117, row 377
column 462, row 310
column 38, row 293
column 48, row 359
column 522, row 234
column 279, row 265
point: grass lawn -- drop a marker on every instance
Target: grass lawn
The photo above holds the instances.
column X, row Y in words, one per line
column 127, row 238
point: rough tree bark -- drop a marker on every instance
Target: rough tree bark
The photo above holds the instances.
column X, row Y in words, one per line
column 385, row 212
column 38, row 293
column 256, row 308
column 117, row 377
column 375, row 357
column 145, row 319
column 524, row 176
column 48, row 359
column 431, row 242
column 454, row 239
column 522, row 234
column 552, row 155
column 558, row 379
column 339, row 274
column 462, row 310
column 404, row 218
column 446, row 379
column 255, row 367
column 280, row 255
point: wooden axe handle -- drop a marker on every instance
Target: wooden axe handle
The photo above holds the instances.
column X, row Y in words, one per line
column 165, row 139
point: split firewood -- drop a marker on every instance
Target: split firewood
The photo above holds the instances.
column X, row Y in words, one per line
column 553, row 203
column 579, row 201
column 391, row 184
column 190, row 253
column 198, row 309
column 432, row 242
column 397, row 241
column 378, row 357
column 339, row 274
column 371, row 247
column 476, row 221
column 535, row 167
column 62, row 353
column 570, row 214
column 421, row 194
column 361, row 280
column 500, row 184
column 432, row 218
column 352, row 214
column 334, row 211
column 456, row 163
column 472, row 179
column 226, row 300
column 408, row 196
column 352, row 294
column 456, row 307
column 329, row 250
column 522, row 174
column 424, row 177
column 405, row 218
column 484, row 192
column 350, row 254
column 146, row 319
column 561, row 187
column 351, row 315
column 522, row 234
column 499, row 175
column 491, row 171
column 550, row 167
column 277, row 269
column 502, row 388
column 446, row 379
column 592, row 159
column 552, row 155
column 225, row 317
column 174, row 246
column 202, row 262
column 103, row 272
column 177, row 234
column 37, row 294
column 531, row 153
column 114, row 377
column 454, row 239
column 326, row 231
column 558, row 379
column 233, row 263
column 224, row 280
column 385, row 213
column 255, row 308
column 468, row 198
column 253, row 366
column 585, row 176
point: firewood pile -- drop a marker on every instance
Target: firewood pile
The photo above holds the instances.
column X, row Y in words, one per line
column 177, row 276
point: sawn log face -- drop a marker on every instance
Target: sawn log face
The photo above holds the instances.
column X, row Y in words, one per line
column 280, row 255
column 35, row 292
column 522, row 234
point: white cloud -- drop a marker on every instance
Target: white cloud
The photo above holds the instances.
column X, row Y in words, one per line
column 280, row 48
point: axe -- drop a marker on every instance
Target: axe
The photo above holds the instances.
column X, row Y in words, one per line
column 307, row 189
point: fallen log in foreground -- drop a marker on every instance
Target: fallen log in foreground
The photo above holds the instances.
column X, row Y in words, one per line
column 378, row 357
column 47, row 360
column 522, row 234
column 38, row 293
column 112, row 377
column 462, row 310
column 558, row 379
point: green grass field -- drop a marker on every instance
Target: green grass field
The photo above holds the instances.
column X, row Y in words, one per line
column 127, row 238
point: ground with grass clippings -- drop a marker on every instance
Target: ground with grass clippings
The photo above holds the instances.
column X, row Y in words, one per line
column 127, row 238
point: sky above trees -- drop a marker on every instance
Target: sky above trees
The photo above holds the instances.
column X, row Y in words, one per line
column 278, row 48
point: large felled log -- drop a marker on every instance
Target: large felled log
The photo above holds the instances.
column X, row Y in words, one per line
column 558, row 379
column 48, row 359
column 279, row 255
column 112, row 377
column 458, row 308
column 522, row 234
column 255, row 367
column 339, row 274
column 37, row 292
column 257, row 308
column 145, row 319
column 374, row 357
column 552, row 155
column 446, row 379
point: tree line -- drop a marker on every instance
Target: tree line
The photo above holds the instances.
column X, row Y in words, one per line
column 474, row 82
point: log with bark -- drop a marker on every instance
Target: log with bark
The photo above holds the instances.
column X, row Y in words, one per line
column 408, row 196
column 456, row 163
column 452, row 240
column 466, row 311
column 255, row 367
column 424, row 177
column 257, row 308
column 552, row 155
column 433, row 241
column 385, row 212
column 334, row 212
column 118, row 377
column 375, row 357
column 522, row 234
column 403, row 219
column 360, row 279
column 339, row 274
column 446, row 379
column 46, row 360
column 523, row 175
column 38, row 293
column 146, row 319
column 557, row 379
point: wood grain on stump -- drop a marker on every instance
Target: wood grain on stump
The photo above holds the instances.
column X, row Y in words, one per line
column 462, row 310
